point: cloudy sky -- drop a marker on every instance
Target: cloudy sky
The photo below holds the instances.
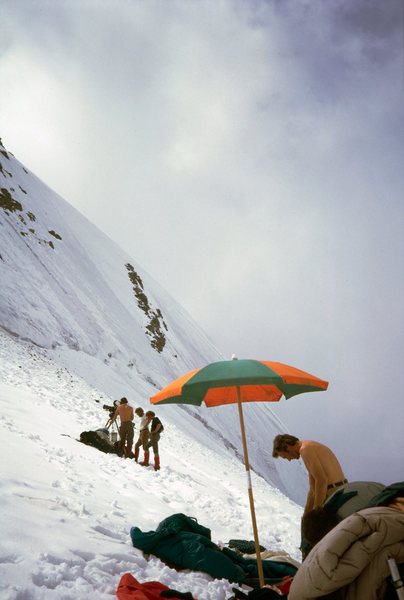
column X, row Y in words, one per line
column 249, row 155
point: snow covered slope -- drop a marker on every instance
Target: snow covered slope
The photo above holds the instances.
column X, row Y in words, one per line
column 66, row 509
column 67, row 287
column 78, row 289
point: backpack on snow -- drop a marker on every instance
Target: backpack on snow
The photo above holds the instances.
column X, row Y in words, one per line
column 97, row 440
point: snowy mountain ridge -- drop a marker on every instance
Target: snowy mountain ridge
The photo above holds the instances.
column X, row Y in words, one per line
column 66, row 287
column 82, row 294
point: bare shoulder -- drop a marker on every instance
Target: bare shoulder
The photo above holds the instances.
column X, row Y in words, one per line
column 308, row 446
column 310, row 449
column 313, row 445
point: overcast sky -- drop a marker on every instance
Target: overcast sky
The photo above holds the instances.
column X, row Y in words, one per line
column 249, row 155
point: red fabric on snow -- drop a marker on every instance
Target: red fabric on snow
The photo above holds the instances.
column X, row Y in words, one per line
column 130, row 589
column 285, row 585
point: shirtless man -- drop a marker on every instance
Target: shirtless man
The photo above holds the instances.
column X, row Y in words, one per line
column 325, row 472
column 125, row 412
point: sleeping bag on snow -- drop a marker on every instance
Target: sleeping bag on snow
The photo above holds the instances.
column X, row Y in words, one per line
column 182, row 542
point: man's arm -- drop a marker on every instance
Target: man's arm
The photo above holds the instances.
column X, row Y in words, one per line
column 310, row 496
column 115, row 415
column 157, row 428
column 317, row 479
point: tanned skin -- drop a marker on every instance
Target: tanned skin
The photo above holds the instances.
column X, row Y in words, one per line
column 322, row 466
column 125, row 412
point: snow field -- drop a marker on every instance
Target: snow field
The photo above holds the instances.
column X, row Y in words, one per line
column 67, row 508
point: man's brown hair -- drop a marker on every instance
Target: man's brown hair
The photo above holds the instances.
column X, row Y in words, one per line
column 281, row 442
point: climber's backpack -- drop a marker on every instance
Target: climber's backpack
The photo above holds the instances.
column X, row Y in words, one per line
column 97, row 440
column 156, row 421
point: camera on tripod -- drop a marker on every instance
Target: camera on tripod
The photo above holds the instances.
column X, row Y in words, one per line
column 110, row 409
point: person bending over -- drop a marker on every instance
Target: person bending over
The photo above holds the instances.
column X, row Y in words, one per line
column 325, row 472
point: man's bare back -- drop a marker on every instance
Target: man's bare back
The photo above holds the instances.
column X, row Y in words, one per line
column 321, row 463
column 324, row 470
column 314, row 453
column 125, row 412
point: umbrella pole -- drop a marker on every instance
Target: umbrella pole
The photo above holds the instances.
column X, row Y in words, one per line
column 250, row 492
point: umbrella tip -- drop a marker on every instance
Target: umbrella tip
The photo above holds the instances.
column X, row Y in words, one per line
column 233, row 357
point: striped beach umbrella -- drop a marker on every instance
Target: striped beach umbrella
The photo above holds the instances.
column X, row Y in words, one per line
column 235, row 382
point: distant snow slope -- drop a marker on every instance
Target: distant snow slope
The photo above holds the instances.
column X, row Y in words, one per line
column 66, row 509
column 67, row 287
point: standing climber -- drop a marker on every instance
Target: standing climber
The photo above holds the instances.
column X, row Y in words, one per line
column 156, row 428
column 143, row 436
column 125, row 412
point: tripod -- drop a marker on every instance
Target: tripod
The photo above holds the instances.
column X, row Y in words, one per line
column 114, row 435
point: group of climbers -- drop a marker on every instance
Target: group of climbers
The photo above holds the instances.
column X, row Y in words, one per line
column 148, row 437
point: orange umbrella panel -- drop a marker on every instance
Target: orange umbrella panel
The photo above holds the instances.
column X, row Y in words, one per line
column 248, row 393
